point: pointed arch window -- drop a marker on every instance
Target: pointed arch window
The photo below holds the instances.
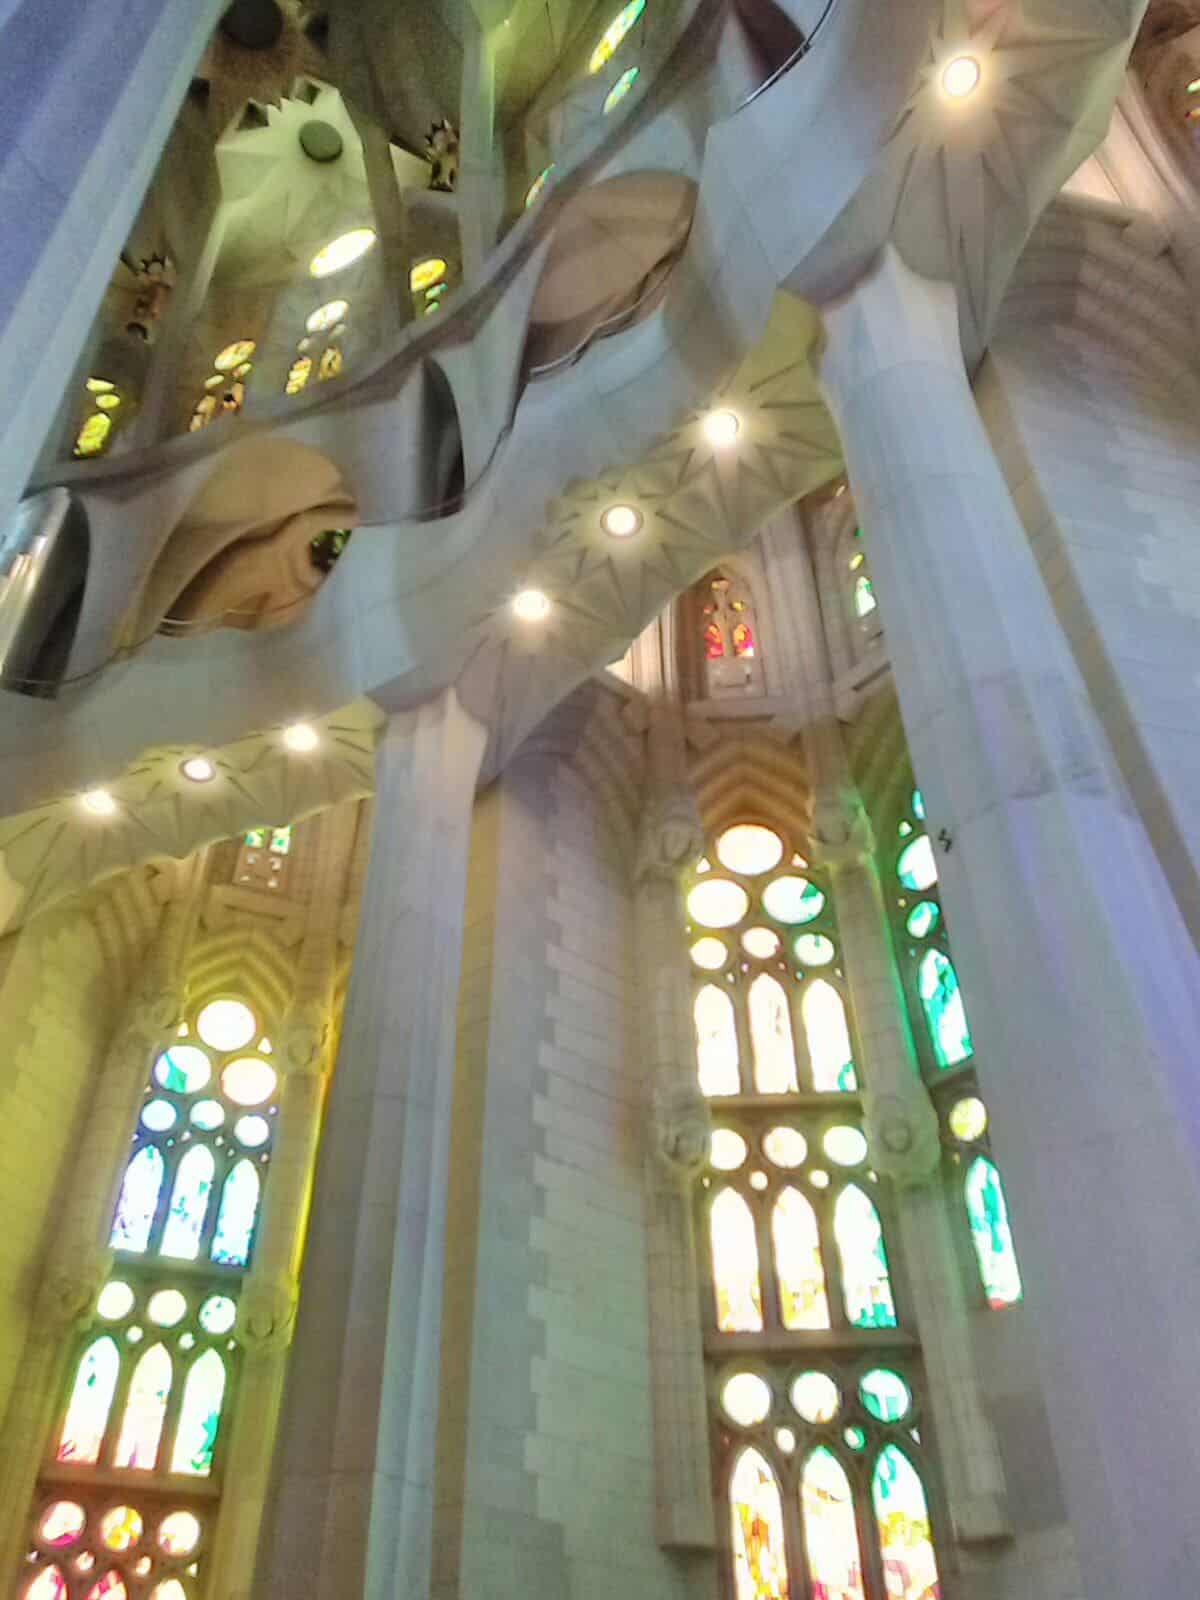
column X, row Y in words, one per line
column 145, row 1411
column 828, row 1035
column 830, row 1527
column 910, row 1569
column 771, row 1037
column 138, row 1202
column 803, row 1302
column 735, row 1264
column 991, row 1234
column 200, row 1416
column 723, row 637
column 189, row 1204
column 91, row 1401
column 866, row 1281
column 716, row 1041
column 237, row 1216
column 759, row 1551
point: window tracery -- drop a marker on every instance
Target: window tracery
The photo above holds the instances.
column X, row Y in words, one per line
column 127, row 1501
column 263, row 859
column 729, row 635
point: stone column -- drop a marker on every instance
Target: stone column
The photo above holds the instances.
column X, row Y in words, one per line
column 78, row 1259
column 1085, row 989
column 90, row 92
column 351, row 1505
column 480, row 178
column 901, row 1123
column 267, row 1306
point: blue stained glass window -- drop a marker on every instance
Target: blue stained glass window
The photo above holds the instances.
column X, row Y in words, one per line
column 134, row 1217
column 237, row 1216
column 189, row 1205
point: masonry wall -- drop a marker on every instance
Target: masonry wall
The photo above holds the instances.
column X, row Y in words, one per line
column 555, row 1448
column 1091, row 394
column 55, row 1015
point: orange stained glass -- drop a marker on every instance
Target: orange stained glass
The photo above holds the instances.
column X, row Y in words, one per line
column 771, row 1036
column 905, row 1538
column 759, row 1557
column 145, row 1411
column 830, row 1530
column 743, row 639
column 91, row 1398
column 735, row 1265
column 714, row 644
column 803, row 1301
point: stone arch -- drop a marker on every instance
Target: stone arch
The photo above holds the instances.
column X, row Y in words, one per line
column 44, row 559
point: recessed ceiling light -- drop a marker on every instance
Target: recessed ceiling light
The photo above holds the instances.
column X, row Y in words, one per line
column 960, row 77
column 531, row 605
column 621, row 521
column 99, row 802
column 721, row 427
column 301, row 737
column 341, row 252
column 198, row 769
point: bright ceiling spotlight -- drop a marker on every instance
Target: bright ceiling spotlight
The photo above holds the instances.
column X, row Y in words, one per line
column 99, row 802
column 341, row 252
column 621, row 521
column 721, row 428
column 960, row 77
column 301, row 737
column 531, row 605
column 198, row 769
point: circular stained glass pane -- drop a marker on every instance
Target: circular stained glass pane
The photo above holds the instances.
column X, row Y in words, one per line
column 115, row 1302
column 248, row 1081
column 158, row 1115
column 749, row 849
column 726, row 1150
column 814, row 949
column 815, row 1396
column 710, row 954
column 218, row 1314
column 183, row 1069
column 179, row 1533
column 341, row 252
column 922, row 919
column 252, row 1132
column 884, row 1394
column 234, row 355
column 793, row 900
column 207, row 1115
column 761, row 943
column 226, row 1025
column 916, row 867
column 855, row 1438
column 166, row 1308
column 61, row 1523
column 326, row 316
column 968, row 1119
column 121, row 1528
column 746, row 1398
column 845, row 1147
column 718, row 903
column 785, row 1147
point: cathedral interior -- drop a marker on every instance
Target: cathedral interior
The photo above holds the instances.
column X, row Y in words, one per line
column 600, row 800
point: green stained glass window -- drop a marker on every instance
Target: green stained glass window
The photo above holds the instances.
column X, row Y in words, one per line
column 937, row 984
column 916, row 867
column 923, row 918
column 200, row 1416
column 864, row 596
column 91, row 1399
column 991, row 1233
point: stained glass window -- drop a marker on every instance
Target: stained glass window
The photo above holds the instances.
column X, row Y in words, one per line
column 829, row 1047
column 722, row 611
column 749, row 849
column 237, row 1216
column 145, row 1411
column 189, row 1204
column 771, row 1037
column 866, row 1283
column 91, row 1400
column 735, row 1264
column 138, row 1200
column 620, row 89
column 905, row 1539
column 200, row 1416
column 937, row 984
column 759, row 1556
column 798, row 1264
column 614, row 35
column 298, row 374
column 991, row 1233
column 864, row 596
column 716, row 1041
column 830, row 1529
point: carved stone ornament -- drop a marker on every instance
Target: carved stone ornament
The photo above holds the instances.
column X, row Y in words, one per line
column 902, row 1134
column 682, row 1127
column 304, row 1040
column 671, row 836
column 267, row 1315
column 155, row 1014
column 68, row 1291
column 841, row 830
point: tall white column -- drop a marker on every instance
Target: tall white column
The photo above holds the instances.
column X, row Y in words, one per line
column 90, row 90
column 351, row 1509
column 480, row 171
column 1084, row 986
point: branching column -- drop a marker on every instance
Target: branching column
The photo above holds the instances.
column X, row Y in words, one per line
column 79, row 1258
column 1084, row 986
column 351, row 1508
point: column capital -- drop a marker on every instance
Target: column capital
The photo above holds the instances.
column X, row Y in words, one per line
column 681, row 1120
column 671, row 834
column 902, row 1135
column 842, row 835
column 68, row 1288
column 267, row 1314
